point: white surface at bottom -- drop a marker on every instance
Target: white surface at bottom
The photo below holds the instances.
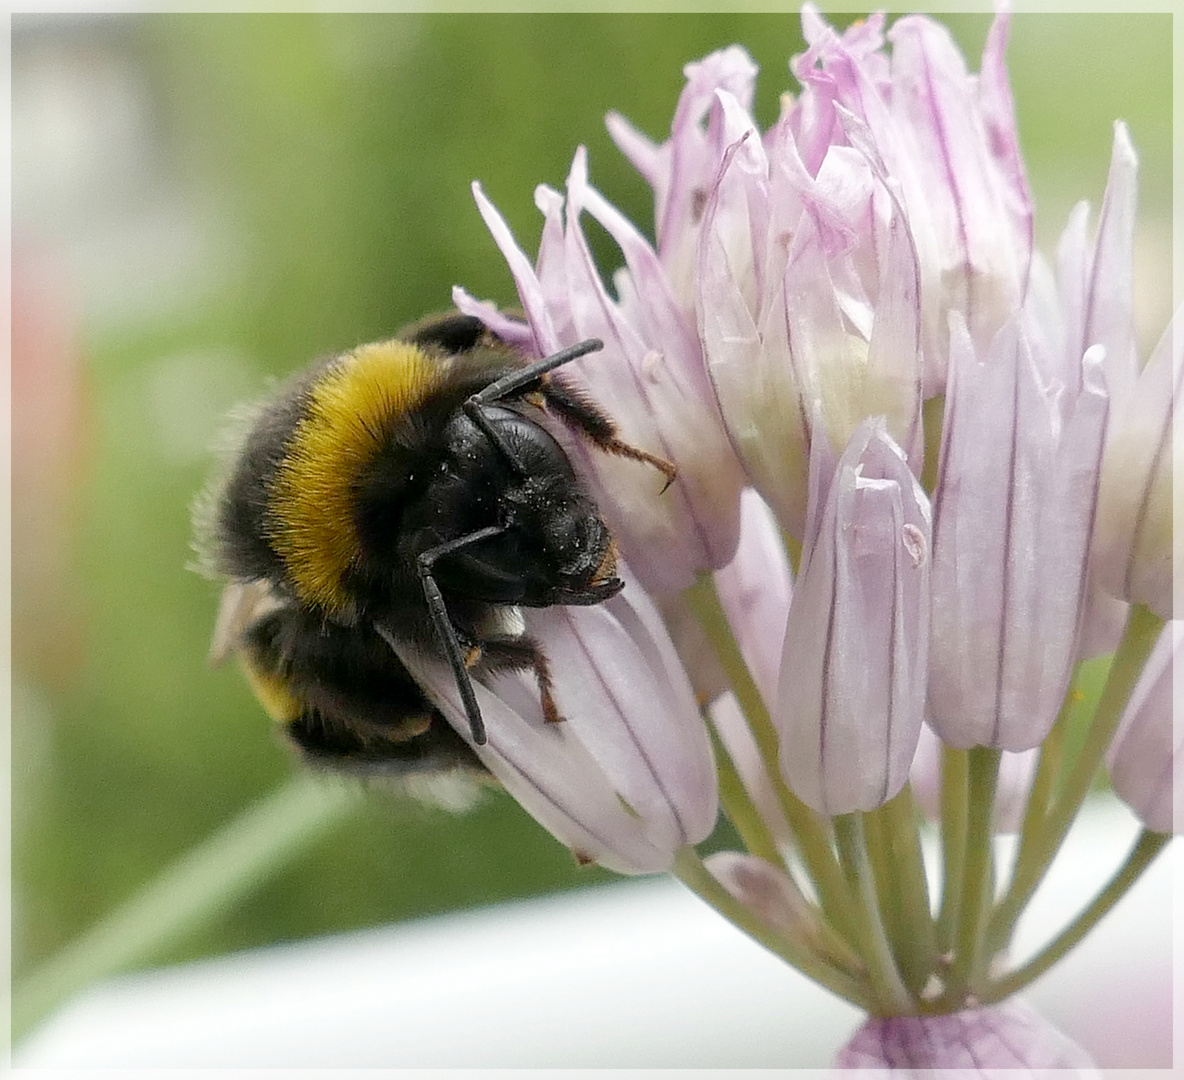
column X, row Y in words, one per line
column 639, row 974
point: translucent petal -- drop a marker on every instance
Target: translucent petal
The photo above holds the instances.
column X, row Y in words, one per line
column 1108, row 314
column 1146, row 759
column 1134, row 539
column 765, row 890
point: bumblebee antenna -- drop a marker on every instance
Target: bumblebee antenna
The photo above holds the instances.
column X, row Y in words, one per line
column 508, row 384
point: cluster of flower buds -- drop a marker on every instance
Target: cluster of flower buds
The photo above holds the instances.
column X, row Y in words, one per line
column 922, row 476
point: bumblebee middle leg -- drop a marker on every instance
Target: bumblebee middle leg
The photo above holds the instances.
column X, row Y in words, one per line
column 520, row 654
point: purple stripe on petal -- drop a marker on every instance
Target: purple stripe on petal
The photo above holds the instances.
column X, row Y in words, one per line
column 626, row 696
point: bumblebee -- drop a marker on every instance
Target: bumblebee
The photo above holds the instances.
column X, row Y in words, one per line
column 408, row 492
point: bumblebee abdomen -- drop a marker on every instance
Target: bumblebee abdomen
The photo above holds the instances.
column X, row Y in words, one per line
column 343, row 697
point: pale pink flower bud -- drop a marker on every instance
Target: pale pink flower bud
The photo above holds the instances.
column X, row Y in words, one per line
column 951, row 140
column 852, row 686
column 1013, row 512
column 1097, row 281
column 807, row 293
column 766, row 891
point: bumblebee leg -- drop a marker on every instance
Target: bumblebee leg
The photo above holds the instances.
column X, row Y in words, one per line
column 584, row 417
column 518, row 654
column 446, row 632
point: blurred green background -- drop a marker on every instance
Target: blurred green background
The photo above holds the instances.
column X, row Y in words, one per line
column 201, row 202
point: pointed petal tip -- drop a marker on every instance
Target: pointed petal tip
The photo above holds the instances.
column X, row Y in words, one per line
column 1124, row 147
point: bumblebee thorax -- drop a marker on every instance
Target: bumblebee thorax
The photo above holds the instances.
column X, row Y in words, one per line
column 352, row 410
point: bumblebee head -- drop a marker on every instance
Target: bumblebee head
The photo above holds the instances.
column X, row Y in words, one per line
column 547, row 543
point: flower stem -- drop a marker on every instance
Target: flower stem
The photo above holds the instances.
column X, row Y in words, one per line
column 892, row 996
column 758, row 839
column 1146, row 848
column 689, row 869
column 954, row 780
column 969, row 954
column 739, row 806
column 809, row 833
column 878, row 847
column 912, row 934
column 1048, row 771
column 1142, row 628
column 203, row 883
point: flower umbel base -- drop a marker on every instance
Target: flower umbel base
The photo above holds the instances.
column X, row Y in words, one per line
column 982, row 1041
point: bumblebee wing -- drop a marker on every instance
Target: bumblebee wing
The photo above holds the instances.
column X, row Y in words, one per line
column 243, row 604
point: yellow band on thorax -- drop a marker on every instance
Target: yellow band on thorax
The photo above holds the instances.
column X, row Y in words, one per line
column 349, row 411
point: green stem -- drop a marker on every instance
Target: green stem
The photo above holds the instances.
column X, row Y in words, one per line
column 879, row 854
column 202, row 884
column 1048, row 771
column 811, row 838
column 969, row 954
column 737, row 803
column 955, row 778
column 1142, row 628
column 914, row 939
column 739, row 807
column 1146, row 848
column 689, row 869
column 892, row 996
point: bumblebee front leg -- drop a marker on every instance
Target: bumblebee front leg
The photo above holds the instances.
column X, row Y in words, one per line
column 513, row 385
column 584, row 417
column 446, row 632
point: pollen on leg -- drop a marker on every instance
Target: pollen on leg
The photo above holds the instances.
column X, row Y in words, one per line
column 551, row 713
column 542, row 673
